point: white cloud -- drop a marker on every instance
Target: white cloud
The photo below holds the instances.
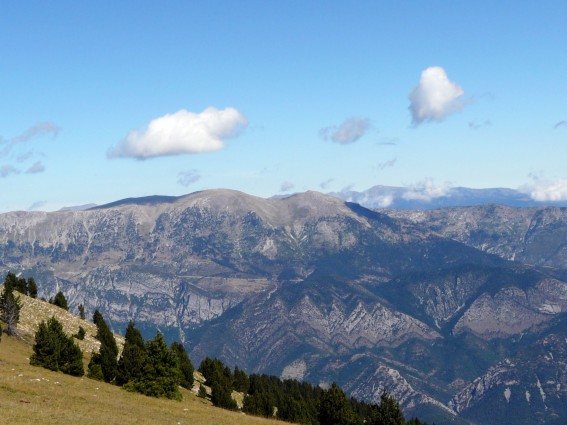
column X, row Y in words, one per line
column 348, row 132
column 182, row 132
column 286, row 186
column 187, row 178
column 426, row 191
column 36, row 168
column 548, row 191
column 435, row 97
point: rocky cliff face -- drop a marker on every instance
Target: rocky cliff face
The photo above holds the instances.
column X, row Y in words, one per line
column 433, row 306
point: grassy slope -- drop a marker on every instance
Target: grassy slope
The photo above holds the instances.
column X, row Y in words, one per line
column 31, row 394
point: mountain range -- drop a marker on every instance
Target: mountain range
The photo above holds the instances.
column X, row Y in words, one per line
column 459, row 312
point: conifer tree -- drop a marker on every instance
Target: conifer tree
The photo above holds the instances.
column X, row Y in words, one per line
column 241, row 381
column 54, row 350
column 221, row 397
column 387, row 413
column 60, row 301
column 185, row 366
column 10, row 306
column 107, row 356
column 335, row 409
column 82, row 311
column 32, row 287
column 131, row 362
column 160, row 376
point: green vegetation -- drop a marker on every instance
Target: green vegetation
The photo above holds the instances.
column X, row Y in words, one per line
column 154, row 369
column 10, row 305
column 60, row 301
column 104, row 364
column 56, row 351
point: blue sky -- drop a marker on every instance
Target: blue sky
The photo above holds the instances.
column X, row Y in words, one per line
column 107, row 100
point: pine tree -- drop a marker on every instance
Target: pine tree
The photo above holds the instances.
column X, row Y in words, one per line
column 335, row 409
column 241, row 381
column 32, row 288
column 10, row 306
column 133, row 357
column 221, row 397
column 54, row 350
column 160, row 376
column 60, row 301
column 106, row 358
column 202, row 391
column 185, row 365
column 82, row 311
column 387, row 413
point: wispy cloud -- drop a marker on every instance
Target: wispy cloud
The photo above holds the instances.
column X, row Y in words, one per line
column 435, row 97
column 475, row 125
column 286, row 186
column 36, row 168
column 36, row 205
column 187, row 178
column 349, row 131
column 182, row 132
column 559, row 124
column 325, row 185
column 38, row 130
column 7, row 170
column 387, row 164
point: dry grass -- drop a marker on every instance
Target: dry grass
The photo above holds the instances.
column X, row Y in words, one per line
column 33, row 395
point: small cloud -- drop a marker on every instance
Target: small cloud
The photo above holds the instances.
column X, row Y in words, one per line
column 426, row 191
column 286, row 186
column 325, row 185
column 347, row 188
column 474, row 125
column 435, row 97
column 24, row 156
column 40, row 129
column 182, row 132
column 36, row 168
column 7, row 170
column 385, row 201
column 388, row 141
column 387, row 164
column 559, row 124
column 547, row 191
column 36, row 205
column 187, row 178
column 348, row 132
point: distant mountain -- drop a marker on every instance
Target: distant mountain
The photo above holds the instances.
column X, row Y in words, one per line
column 425, row 197
column 443, row 308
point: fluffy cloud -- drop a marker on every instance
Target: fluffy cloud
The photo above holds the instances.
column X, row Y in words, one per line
column 187, row 178
column 435, row 97
column 426, row 191
column 286, row 186
column 182, row 132
column 36, row 168
column 348, row 132
column 548, row 191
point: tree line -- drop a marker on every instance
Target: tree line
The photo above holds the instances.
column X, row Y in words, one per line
column 155, row 369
